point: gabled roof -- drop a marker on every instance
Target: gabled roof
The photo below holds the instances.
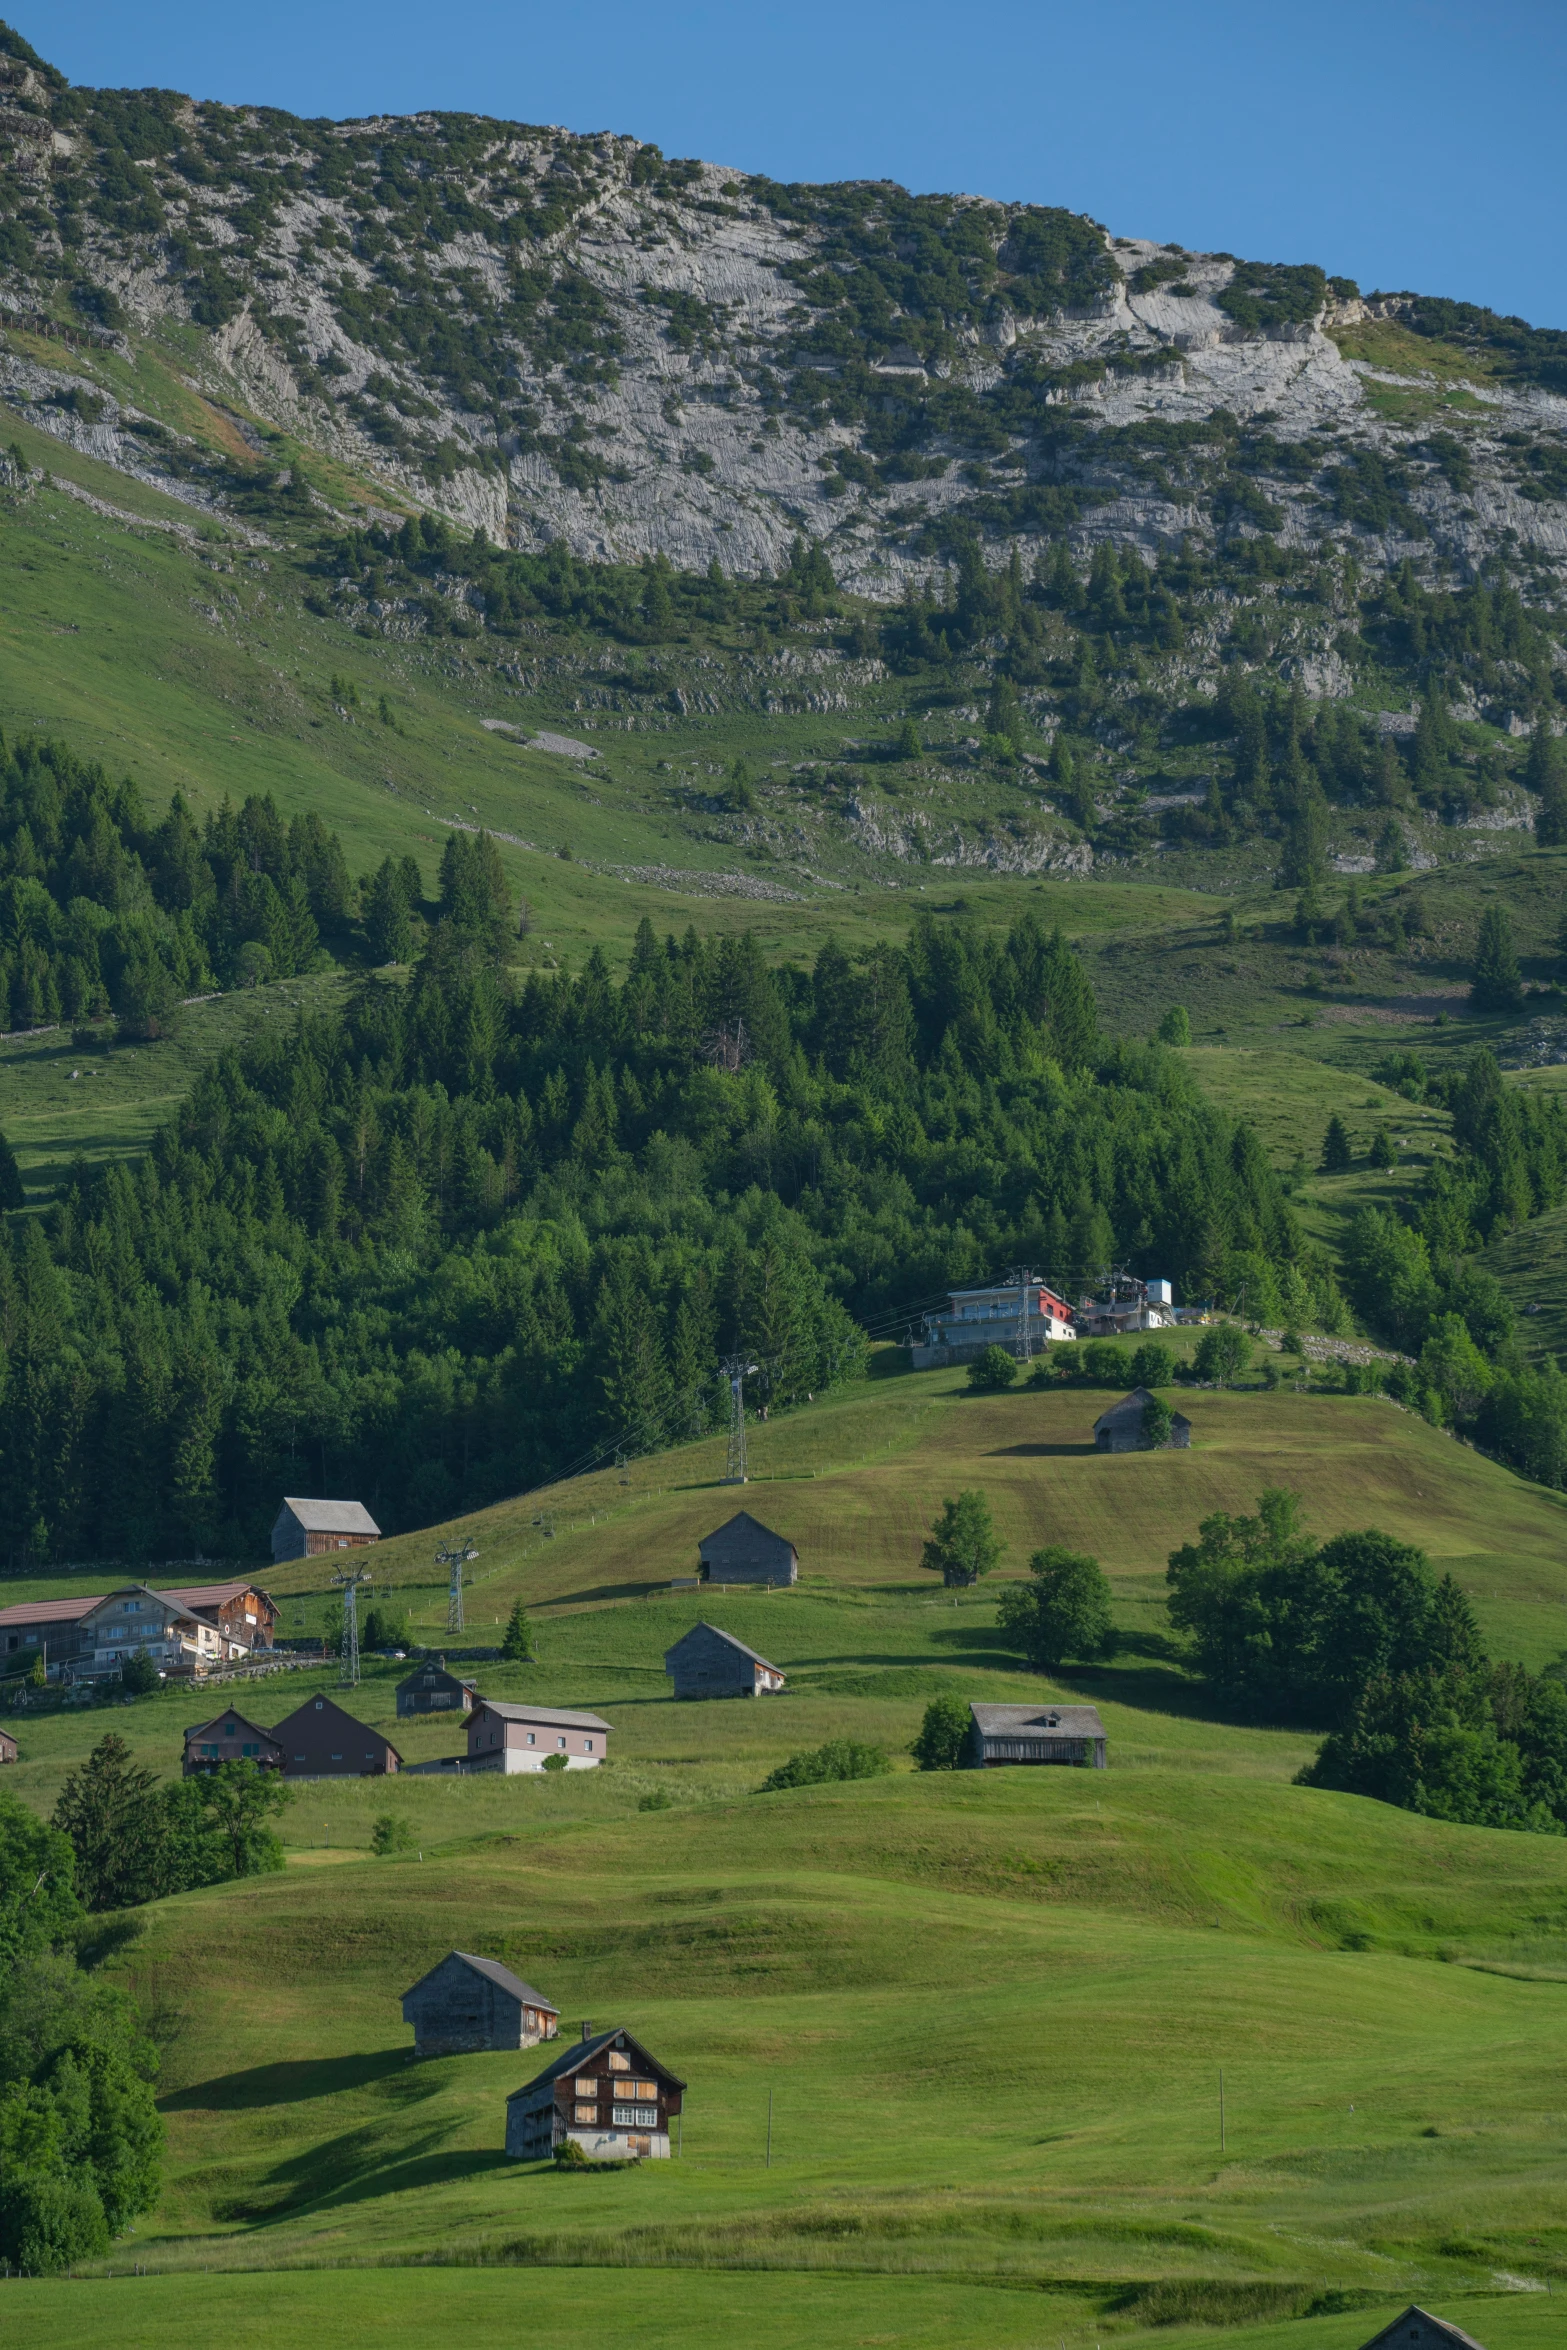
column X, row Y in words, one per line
column 49, row 1611
column 1442, row 2327
column 580, row 2052
column 230, row 1714
column 178, row 1607
column 548, row 1717
column 216, row 1594
column 501, row 1976
column 754, row 1654
column 746, row 1527
column 330, row 1517
column 1133, row 1406
column 309, row 1706
column 1040, row 1721
column 434, row 1669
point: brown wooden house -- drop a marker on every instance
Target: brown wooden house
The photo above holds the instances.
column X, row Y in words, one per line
column 320, row 1741
column 706, row 1662
column 229, row 1737
column 431, row 1689
column 466, row 2004
column 605, row 2093
column 9, row 1750
column 743, row 1550
column 308, row 1529
column 1417, row 2329
column 246, row 1616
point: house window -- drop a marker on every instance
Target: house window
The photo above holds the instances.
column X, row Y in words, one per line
column 588, row 2114
column 299, row 1758
column 619, row 2063
column 644, row 2089
column 561, row 1743
column 337, row 1758
column 635, row 2117
column 587, row 1746
column 530, row 1738
column 586, row 2086
column 320, row 1701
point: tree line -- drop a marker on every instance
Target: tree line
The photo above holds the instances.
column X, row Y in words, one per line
column 430, row 1248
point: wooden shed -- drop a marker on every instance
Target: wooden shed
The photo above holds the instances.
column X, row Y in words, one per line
column 9, row 1750
column 431, row 1689
column 320, row 1741
column 466, row 2004
column 1070, row 1734
column 1120, row 1429
column 705, row 1662
column 1417, row 2329
column 308, row 1529
column 229, row 1737
column 606, row 2093
column 742, row 1550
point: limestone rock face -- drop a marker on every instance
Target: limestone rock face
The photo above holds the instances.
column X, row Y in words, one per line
column 551, row 337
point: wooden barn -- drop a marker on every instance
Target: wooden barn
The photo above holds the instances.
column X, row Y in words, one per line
column 606, row 2093
column 1070, row 1734
column 308, row 1529
column 1120, row 1429
column 708, row 1663
column 9, row 1750
column 229, row 1737
column 1417, row 2329
column 466, row 2004
column 320, row 1741
column 742, row 1550
column 431, row 1689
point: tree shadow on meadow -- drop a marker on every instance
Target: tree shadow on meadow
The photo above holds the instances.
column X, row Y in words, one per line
column 355, row 2167
column 293, row 2081
column 1034, row 1452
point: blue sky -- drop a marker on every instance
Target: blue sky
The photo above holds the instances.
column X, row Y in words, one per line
column 1406, row 143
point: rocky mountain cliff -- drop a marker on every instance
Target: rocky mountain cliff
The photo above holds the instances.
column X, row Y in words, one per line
column 563, row 337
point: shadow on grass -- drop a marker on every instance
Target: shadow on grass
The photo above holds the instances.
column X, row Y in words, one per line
column 599, row 1591
column 293, row 2082
column 352, row 2169
column 1003, row 1452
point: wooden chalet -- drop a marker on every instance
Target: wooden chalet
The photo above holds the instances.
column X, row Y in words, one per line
column 513, row 1738
column 138, row 1621
column 244, row 1615
column 1120, row 1429
column 320, row 1741
column 308, row 1529
column 605, row 2093
column 1070, row 1734
column 9, row 1750
column 743, row 1550
column 1417, row 2329
column 466, row 2004
column 431, row 1689
column 705, row 1662
column 229, row 1737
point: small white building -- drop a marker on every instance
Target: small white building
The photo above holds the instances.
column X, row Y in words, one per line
column 1130, row 1306
column 996, row 1316
column 514, row 1738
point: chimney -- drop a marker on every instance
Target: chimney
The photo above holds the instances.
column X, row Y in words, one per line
column 587, row 2029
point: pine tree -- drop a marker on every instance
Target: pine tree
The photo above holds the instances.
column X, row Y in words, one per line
column 517, row 1640
column 1545, row 773
column 1337, row 1155
column 11, row 1192
column 1496, row 984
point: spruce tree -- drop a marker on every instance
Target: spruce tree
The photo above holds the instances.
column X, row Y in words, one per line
column 517, row 1640
column 11, row 1193
column 1337, row 1155
column 1495, row 982
column 1545, row 773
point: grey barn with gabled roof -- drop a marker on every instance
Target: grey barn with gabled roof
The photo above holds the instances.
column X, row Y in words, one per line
column 743, row 1550
column 1120, row 1429
column 1417, row 2329
column 466, row 2004
column 706, row 1662
column 1071, row 1734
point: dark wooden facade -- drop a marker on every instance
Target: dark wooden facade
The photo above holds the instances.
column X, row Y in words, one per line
column 1417, row 2329
column 431, row 1689
column 743, row 1550
column 9, row 1750
column 243, row 1613
column 466, row 2004
column 1069, row 1734
column 320, row 1741
column 706, row 1662
column 308, row 1529
column 229, row 1737
column 606, row 2093
column 1120, row 1429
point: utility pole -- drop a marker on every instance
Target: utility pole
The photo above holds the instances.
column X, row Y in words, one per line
column 1024, row 1347
column 454, row 1556
column 769, row 2129
column 736, row 1370
column 348, row 1581
column 1221, row 2109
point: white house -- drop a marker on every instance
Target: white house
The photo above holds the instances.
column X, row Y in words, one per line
column 138, row 1621
column 995, row 1316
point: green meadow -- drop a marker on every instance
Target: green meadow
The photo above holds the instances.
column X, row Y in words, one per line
column 989, row 2013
